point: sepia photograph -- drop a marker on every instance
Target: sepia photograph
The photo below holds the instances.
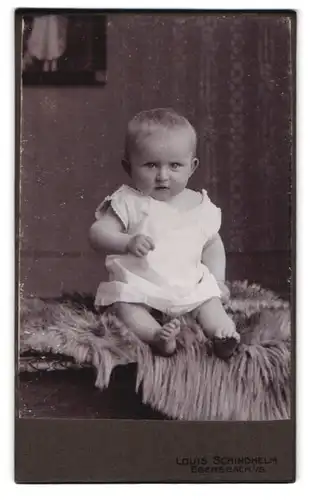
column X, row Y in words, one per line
column 155, row 230
column 156, row 242
column 155, row 202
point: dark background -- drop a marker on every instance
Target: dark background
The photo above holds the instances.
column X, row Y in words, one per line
column 231, row 75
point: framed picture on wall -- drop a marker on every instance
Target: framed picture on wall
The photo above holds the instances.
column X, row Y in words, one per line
column 63, row 49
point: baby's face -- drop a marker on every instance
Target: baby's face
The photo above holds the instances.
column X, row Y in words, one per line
column 162, row 163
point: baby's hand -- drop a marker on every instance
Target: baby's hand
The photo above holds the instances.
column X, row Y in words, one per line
column 140, row 245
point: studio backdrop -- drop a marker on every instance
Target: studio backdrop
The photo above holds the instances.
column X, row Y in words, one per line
column 228, row 74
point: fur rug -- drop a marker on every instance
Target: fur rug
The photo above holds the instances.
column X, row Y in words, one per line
column 193, row 384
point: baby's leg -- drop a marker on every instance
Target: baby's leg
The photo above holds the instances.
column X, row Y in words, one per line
column 214, row 320
column 138, row 319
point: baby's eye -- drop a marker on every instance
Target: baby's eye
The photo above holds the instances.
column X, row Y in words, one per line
column 175, row 165
column 150, row 165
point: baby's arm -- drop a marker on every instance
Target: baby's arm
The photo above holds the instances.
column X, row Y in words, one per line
column 213, row 256
column 108, row 234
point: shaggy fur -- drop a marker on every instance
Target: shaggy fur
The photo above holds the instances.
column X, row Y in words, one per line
column 193, row 384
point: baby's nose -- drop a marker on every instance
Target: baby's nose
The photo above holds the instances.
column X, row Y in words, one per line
column 162, row 173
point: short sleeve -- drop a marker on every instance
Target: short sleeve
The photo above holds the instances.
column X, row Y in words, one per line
column 212, row 217
column 117, row 201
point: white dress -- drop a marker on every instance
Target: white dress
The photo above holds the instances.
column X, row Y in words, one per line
column 171, row 278
column 48, row 37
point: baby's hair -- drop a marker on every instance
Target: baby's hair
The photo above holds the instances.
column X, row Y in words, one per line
column 145, row 122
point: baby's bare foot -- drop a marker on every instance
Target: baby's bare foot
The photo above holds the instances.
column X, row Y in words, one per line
column 225, row 340
column 165, row 338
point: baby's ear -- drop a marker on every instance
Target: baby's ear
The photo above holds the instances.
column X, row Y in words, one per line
column 195, row 163
column 126, row 166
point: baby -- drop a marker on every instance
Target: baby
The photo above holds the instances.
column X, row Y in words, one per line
column 165, row 253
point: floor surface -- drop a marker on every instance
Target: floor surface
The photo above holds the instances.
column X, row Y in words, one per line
column 72, row 394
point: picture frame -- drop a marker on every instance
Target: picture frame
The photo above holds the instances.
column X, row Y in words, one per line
column 63, row 49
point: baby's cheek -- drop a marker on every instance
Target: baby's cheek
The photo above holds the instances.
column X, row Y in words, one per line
column 178, row 185
column 145, row 184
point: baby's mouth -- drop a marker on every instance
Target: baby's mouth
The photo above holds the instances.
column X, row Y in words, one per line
column 161, row 188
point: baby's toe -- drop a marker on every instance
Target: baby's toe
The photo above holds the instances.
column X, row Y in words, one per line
column 168, row 329
column 164, row 334
column 236, row 336
column 227, row 334
column 174, row 326
column 175, row 323
column 232, row 334
column 163, row 337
